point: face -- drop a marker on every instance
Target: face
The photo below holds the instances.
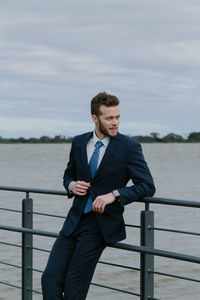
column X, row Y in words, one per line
column 107, row 123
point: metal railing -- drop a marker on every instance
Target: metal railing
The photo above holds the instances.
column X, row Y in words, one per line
column 146, row 248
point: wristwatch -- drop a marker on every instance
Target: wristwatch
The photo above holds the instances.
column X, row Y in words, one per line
column 117, row 195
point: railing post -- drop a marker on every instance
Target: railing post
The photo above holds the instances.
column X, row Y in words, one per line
column 27, row 252
column 147, row 260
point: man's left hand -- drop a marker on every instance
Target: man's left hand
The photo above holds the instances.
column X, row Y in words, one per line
column 101, row 201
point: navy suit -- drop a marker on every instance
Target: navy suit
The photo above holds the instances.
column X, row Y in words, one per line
column 122, row 161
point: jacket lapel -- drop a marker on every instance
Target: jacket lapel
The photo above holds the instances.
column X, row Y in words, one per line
column 110, row 149
column 84, row 155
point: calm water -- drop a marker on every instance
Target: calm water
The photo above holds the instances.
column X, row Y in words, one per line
column 176, row 171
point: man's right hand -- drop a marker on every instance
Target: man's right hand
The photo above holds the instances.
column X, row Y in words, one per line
column 79, row 188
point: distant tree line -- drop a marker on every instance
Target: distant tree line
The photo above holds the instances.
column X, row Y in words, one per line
column 42, row 140
column 154, row 137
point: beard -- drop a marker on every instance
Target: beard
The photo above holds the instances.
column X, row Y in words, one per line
column 104, row 131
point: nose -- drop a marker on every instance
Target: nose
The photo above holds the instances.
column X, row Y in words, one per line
column 115, row 121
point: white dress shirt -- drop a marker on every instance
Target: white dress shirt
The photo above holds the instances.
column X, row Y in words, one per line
column 91, row 146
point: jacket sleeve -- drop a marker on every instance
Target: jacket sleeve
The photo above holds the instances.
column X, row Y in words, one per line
column 139, row 173
column 70, row 172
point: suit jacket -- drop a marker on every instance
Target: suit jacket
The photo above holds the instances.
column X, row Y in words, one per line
column 122, row 161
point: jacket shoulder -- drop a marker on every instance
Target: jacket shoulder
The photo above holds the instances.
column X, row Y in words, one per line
column 128, row 141
column 79, row 139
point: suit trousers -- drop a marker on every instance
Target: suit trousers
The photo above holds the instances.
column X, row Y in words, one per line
column 72, row 261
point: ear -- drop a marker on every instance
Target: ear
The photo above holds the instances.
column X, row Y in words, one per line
column 95, row 119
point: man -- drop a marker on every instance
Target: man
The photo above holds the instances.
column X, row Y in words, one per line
column 101, row 164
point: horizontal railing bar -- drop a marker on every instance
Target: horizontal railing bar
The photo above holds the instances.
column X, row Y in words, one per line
column 115, row 289
column 39, row 249
column 10, row 244
column 9, row 209
column 175, row 231
column 176, row 276
column 63, row 217
column 156, row 252
column 134, row 226
column 31, row 231
column 105, row 263
column 11, row 265
column 48, row 215
column 153, row 200
column 117, row 265
column 37, row 292
column 121, row 246
column 55, row 216
column 107, row 287
column 123, row 291
column 170, row 202
column 32, row 190
column 36, row 270
column 12, row 285
column 100, row 262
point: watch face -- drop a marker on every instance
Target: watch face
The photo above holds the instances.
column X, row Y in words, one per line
column 116, row 193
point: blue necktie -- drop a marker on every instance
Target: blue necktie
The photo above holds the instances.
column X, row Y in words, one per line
column 93, row 168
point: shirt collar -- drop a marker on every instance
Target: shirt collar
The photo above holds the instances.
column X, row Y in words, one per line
column 95, row 139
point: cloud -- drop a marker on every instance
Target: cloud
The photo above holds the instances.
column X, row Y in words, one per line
column 55, row 56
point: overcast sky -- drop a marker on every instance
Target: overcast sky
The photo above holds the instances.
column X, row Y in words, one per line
column 56, row 55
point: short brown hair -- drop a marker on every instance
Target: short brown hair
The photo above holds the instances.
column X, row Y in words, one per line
column 102, row 99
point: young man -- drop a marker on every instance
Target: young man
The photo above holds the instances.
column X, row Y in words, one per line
column 101, row 164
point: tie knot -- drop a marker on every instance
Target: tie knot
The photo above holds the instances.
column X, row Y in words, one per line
column 98, row 145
